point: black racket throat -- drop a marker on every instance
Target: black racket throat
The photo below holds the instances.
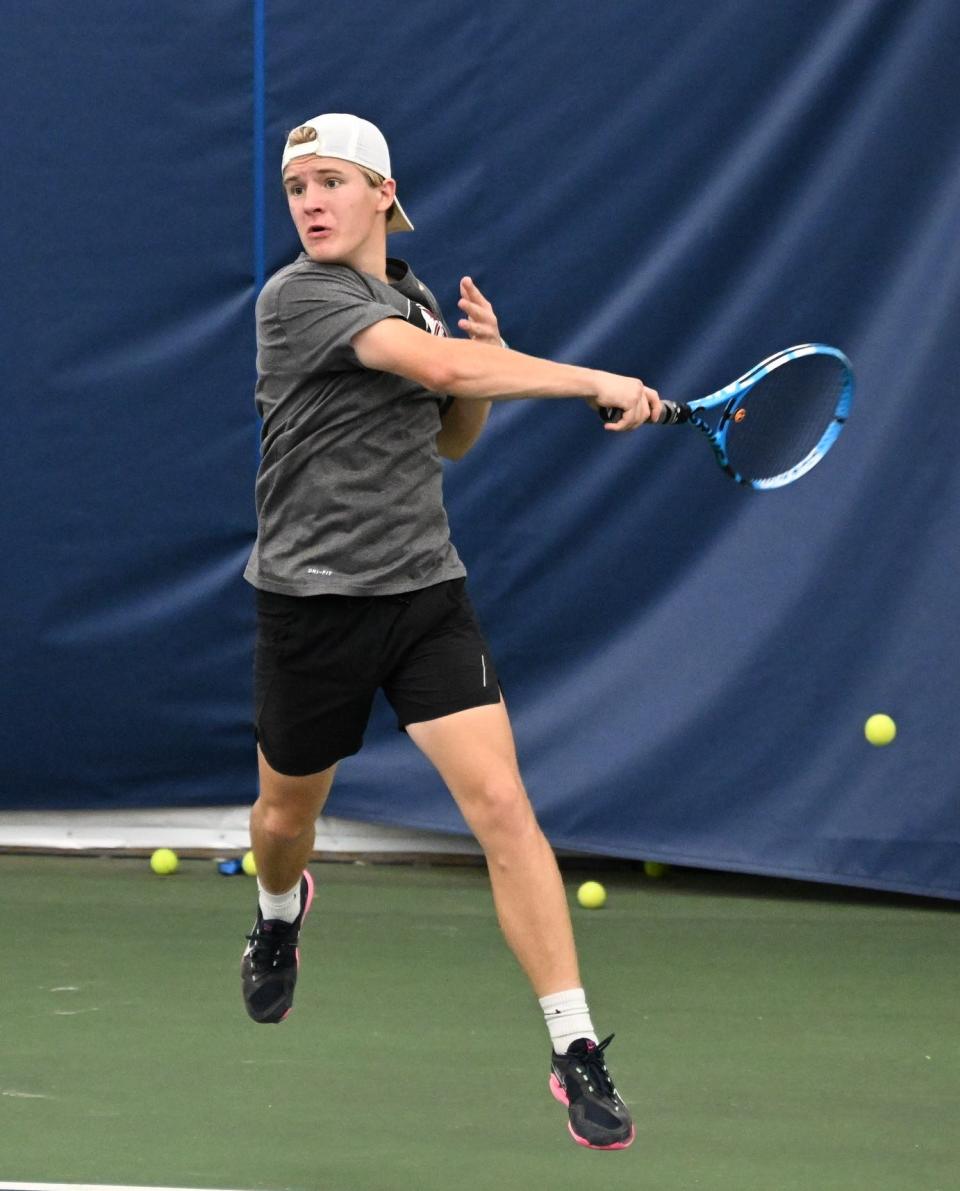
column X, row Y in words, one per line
column 673, row 412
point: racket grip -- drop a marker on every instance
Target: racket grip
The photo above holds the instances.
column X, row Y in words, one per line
column 671, row 412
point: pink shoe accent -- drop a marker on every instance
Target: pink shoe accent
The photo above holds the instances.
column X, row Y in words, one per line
column 306, row 908
column 617, row 1145
column 303, row 919
column 559, row 1093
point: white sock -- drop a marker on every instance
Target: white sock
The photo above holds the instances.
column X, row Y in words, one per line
column 285, row 906
column 568, row 1018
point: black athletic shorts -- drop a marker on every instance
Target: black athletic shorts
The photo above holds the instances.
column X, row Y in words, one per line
column 319, row 660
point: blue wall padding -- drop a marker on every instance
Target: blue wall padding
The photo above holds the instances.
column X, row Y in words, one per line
column 672, row 191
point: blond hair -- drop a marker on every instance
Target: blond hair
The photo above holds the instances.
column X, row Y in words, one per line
column 306, row 133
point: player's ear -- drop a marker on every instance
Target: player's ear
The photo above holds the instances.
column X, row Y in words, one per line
column 388, row 192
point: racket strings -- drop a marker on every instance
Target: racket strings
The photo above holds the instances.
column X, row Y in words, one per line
column 785, row 417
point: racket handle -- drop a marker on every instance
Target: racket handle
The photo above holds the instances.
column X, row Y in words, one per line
column 671, row 412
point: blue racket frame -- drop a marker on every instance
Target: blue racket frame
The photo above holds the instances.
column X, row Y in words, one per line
column 732, row 396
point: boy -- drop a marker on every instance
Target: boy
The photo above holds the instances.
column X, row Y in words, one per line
column 361, row 390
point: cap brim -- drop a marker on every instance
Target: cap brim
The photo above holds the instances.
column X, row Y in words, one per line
column 398, row 221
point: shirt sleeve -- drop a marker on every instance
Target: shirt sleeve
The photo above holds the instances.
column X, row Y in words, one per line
column 320, row 312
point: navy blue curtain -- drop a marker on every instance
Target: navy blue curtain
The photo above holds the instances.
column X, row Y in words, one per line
column 669, row 191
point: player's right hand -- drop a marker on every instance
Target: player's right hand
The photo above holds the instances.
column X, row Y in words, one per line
column 638, row 403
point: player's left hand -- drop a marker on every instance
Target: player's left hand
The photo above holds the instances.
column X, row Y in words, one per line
column 480, row 322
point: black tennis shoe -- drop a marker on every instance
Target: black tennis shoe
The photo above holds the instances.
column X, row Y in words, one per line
column 579, row 1079
column 271, row 962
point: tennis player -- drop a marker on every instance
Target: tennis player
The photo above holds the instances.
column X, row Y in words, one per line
column 362, row 390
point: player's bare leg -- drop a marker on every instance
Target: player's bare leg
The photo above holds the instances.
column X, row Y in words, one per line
column 474, row 753
column 283, row 823
column 282, row 832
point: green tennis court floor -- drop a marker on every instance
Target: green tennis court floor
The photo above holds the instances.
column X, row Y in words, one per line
column 770, row 1036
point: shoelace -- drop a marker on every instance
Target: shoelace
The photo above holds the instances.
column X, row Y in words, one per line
column 596, row 1069
column 268, row 946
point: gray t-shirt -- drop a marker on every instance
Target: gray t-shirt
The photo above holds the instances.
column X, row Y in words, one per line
column 349, row 491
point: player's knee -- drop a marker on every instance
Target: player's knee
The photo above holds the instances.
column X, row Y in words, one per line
column 286, row 822
column 501, row 813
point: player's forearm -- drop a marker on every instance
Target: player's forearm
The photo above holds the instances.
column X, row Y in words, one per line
column 479, row 370
column 462, row 424
column 470, row 370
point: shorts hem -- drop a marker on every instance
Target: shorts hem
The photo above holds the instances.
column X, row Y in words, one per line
column 451, row 709
column 297, row 770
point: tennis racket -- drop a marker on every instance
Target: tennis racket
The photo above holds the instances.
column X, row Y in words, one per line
column 778, row 420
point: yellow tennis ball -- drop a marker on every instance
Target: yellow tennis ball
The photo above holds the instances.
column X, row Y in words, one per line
column 249, row 864
column 591, row 895
column 164, row 861
column 879, row 730
column 655, row 870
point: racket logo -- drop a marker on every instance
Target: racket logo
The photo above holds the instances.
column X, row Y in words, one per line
column 740, row 414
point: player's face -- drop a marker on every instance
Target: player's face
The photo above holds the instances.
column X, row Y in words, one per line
column 335, row 209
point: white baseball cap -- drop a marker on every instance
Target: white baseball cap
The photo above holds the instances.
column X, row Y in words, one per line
column 349, row 138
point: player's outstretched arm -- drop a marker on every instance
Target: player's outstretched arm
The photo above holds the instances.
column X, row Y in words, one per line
column 471, row 370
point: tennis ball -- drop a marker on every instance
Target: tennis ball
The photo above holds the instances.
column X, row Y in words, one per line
column 164, row 861
column 249, row 864
column 655, row 870
column 879, row 730
column 591, row 895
